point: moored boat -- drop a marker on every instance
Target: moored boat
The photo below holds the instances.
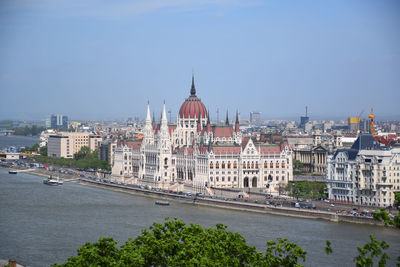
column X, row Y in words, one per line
column 12, row 172
column 53, row 181
column 162, row 203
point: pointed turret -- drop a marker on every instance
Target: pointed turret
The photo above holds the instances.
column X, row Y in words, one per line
column 227, row 119
column 148, row 131
column 193, row 89
column 164, row 140
column 208, row 128
column 237, row 122
column 154, row 121
column 164, row 121
column 148, row 118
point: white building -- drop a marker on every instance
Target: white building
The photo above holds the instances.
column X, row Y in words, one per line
column 200, row 154
column 365, row 174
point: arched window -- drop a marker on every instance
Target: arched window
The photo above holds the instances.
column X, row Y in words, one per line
column 265, row 164
column 277, row 164
column 256, row 165
column 271, row 164
column 244, row 165
column 229, row 165
column 217, row 165
column 252, row 164
column 248, row 165
column 223, row 165
column 283, row 164
column 235, row 165
column 166, row 161
column 211, row 165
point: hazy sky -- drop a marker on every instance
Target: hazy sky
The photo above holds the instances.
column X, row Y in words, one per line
column 105, row 59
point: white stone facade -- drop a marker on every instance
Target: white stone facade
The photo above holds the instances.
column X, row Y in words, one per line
column 364, row 176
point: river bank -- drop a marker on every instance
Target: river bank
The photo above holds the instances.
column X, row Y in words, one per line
column 210, row 202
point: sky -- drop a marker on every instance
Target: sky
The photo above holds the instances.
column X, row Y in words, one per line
column 100, row 59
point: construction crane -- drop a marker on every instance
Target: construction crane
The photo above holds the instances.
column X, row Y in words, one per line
column 372, row 123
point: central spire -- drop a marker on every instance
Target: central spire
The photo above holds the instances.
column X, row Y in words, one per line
column 193, row 89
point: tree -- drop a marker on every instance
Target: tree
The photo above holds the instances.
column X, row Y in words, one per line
column 43, row 151
column 83, row 153
column 176, row 244
column 397, row 200
column 371, row 250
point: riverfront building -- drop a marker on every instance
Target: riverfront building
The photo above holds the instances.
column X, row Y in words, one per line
column 65, row 144
column 197, row 153
column 57, row 121
column 365, row 174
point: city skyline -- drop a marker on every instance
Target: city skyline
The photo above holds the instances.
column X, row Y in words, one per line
column 338, row 58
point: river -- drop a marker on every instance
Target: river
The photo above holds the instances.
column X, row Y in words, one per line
column 41, row 225
column 18, row 141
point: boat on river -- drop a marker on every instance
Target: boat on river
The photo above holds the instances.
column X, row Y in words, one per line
column 162, row 203
column 12, row 172
column 53, row 181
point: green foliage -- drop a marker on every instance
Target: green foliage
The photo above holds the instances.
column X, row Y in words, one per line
column 397, row 199
column 176, row 244
column 85, row 159
column 83, row 153
column 101, row 253
column 6, row 124
column 371, row 250
column 328, row 249
column 306, row 189
column 28, row 131
column 297, row 165
column 43, row 151
column 383, row 215
column 283, row 253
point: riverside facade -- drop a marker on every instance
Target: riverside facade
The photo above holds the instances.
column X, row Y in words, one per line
column 195, row 152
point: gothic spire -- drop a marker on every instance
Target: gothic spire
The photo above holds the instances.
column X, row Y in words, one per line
column 237, row 117
column 237, row 122
column 193, row 89
column 227, row 119
column 148, row 118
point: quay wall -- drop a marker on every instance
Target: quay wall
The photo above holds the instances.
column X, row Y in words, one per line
column 237, row 205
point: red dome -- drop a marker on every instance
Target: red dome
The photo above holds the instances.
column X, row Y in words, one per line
column 192, row 107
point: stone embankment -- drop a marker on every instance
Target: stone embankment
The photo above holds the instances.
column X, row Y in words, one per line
column 235, row 205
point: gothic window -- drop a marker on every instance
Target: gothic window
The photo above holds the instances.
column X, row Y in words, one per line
column 265, row 164
column 229, row 164
column 271, row 164
column 256, row 165
column 244, row 165
column 283, row 164
column 235, row 165
column 217, row 165
column 223, row 165
column 166, row 161
column 277, row 164
column 248, row 165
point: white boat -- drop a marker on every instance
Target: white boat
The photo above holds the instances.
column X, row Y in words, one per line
column 53, row 181
column 12, row 172
column 162, row 203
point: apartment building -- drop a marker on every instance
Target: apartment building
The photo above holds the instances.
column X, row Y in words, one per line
column 365, row 174
column 66, row 144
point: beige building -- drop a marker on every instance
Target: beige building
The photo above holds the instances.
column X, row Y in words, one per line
column 365, row 174
column 65, row 144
